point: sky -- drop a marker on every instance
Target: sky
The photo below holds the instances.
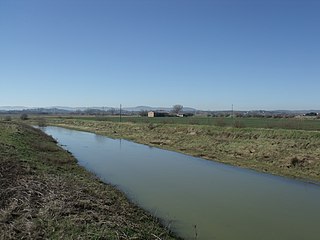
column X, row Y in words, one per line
column 206, row 54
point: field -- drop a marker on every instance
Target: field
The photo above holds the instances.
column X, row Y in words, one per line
column 292, row 153
column 308, row 124
column 44, row 194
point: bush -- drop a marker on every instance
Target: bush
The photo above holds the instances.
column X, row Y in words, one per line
column 143, row 113
column 24, row 116
column 238, row 124
column 220, row 122
column 152, row 126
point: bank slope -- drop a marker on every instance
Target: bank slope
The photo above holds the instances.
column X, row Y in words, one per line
column 292, row 153
column 45, row 194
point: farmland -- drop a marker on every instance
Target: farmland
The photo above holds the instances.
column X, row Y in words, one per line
column 308, row 124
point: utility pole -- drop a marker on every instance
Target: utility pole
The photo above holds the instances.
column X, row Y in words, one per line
column 120, row 112
column 232, row 115
column 232, row 111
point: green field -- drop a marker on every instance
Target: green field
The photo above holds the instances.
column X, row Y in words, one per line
column 271, row 123
column 44, row 194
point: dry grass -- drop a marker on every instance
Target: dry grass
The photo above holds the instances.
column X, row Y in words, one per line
column 44, row 194
column 267, row 150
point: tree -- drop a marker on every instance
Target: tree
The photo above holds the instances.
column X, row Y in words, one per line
column 143, row 113
column 111, row 111
column 177, row 108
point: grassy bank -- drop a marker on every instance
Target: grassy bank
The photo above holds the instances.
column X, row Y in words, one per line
column 44, row 194
column 292, row 153
column 309, row 124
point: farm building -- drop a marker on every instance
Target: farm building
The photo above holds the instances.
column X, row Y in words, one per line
column 151, row 114
column 157, row 114
column 184, row 115
column 311, row 114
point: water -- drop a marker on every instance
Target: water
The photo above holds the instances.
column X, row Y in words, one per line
column 224, row 202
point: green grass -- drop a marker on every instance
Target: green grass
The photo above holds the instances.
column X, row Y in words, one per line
column 293, row 153
column 271, row 123
column 44, row 194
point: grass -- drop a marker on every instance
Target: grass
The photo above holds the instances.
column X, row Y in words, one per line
column 292, row 153
column 44, row 194
column 307, row 124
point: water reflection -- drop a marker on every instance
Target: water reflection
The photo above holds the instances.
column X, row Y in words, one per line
column 100, row 139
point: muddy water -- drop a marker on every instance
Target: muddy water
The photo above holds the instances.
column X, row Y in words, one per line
column 199, row 197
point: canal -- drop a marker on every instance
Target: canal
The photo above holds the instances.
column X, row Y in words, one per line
column 199, row 197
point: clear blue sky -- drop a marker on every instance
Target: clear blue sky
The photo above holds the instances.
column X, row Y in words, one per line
column 207, row 54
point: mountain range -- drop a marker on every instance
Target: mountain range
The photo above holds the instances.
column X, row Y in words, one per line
column 67, row 109
column 73, row 109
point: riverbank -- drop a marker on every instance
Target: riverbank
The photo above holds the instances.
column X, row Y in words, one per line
column 45, row 194
column 291, row 153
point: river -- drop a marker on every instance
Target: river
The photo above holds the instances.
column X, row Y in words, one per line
column 197, row 197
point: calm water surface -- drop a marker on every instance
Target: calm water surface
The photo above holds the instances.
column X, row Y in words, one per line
column 224, row 202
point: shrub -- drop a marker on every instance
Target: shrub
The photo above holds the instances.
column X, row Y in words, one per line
column 220, row 122
column 152, row 126
column 24, row 116
column 238, row 124
column 143, row 113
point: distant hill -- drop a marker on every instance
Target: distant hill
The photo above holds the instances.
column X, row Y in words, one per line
column 93, row 110
column 148, row 108
column 12, row 108
column 71, row 109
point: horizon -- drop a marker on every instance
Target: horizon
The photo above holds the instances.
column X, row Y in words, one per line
column 153, row 108
column 204, row 54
